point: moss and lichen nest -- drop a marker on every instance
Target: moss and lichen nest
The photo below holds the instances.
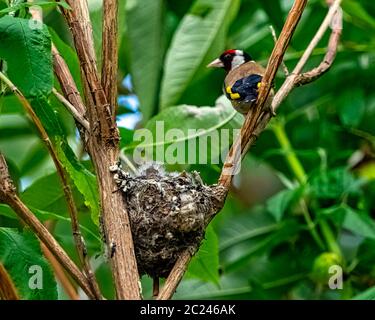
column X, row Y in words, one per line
column 168, row 214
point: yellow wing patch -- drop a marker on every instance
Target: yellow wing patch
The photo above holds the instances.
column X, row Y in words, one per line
column 233, row 96
column 259, row 84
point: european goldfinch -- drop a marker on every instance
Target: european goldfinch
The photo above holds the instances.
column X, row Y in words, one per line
column 243, row 80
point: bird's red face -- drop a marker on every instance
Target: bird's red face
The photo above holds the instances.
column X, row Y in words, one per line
column 230, row 60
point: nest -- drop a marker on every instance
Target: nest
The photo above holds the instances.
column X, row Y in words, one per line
column 168, row 214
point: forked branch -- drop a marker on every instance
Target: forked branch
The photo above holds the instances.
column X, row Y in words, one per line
column 102, row 142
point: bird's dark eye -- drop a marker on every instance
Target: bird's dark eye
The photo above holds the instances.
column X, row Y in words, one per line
column 227, row 57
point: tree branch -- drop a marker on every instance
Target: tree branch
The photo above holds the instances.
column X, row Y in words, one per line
column 79, row 242
column 103, row 147
column 274, row 36
column 175, row 276
column 256, row 122
column 110, row 52
column 291, row 81
column 241, row 145
column 334, row 19
column 8, row 196
column 68, row 86
column 99, row 111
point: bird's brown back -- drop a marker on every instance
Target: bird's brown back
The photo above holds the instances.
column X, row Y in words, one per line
column 243, row 71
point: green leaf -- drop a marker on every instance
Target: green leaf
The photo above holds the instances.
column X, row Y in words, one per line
column 46, row 194
column 28, row 55
column 193, row 289
column 35, row 156
column 355, row 10
column 333, row 184
column 43, row 4
column 279, row 203
column 277, row 270
column 359, row 223
column 83, row 179
column 368, row 294
column 274, row 12
column 250, row 234
column 355, row 221
column 10, row 104
column 96, row 17
column 20, row 253
column 201, row 30
column 47, row 116
column 126, row 137
column 351, row 107
column 145, row 30
column 205, row 264
column 194, row 125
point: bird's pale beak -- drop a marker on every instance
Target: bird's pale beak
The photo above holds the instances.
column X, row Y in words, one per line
column 216, row 64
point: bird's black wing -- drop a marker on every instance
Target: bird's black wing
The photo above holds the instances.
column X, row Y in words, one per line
column 247, row 87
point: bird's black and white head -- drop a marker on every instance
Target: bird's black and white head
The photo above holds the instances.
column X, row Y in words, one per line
column 230, row 60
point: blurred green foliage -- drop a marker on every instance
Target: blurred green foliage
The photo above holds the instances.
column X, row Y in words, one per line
column 304, row 198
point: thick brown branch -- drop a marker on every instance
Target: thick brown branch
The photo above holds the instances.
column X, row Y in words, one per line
column 8, row 195
column 110, row 52
column 103, row 148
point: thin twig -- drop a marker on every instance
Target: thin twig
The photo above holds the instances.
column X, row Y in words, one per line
column 290, row 82
column 79, row 242
column 336, row 26
column 8, row 196
column 274, row 36
column 78, row 116
column 110, row 52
